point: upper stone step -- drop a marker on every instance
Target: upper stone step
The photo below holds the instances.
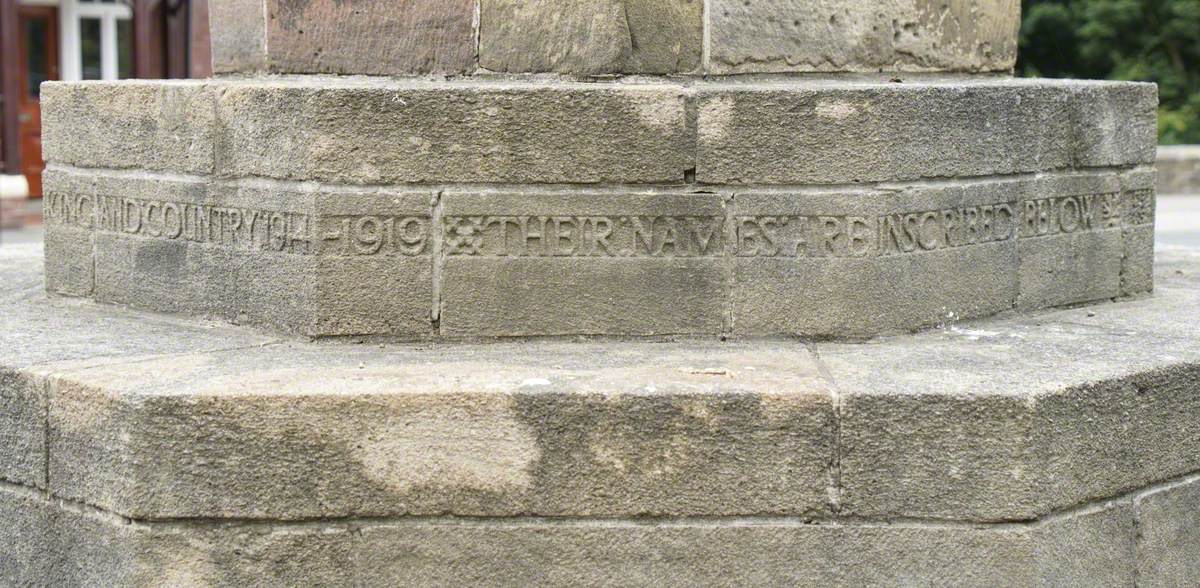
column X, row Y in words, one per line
column 611, row 37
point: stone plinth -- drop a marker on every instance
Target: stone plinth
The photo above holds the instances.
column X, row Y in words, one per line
column 612, row 37
column 826, row 208
column 1059, row 449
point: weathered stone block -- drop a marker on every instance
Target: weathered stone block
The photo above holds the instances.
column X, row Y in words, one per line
column 22, row 428
column 238, row 35
column 591, row 37
column 335, row 262
column 540, row 429
column 143, row 124
column 1178, row 168
column 1137, row 218
column 1168, row 545
column 844, row 264
column 63, row 544
column 380, row 37
column 1071, row 245
column 849, row 35
column 69, row 238
column 545, row 264
column 864, row 132
column 371, row 134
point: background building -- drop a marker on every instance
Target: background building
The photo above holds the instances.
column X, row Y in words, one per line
column 44, row 40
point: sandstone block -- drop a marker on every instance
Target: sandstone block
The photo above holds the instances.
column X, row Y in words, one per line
column 578, row 37
column 238, row 35
column 1167, row 543
column 876, row 133
column 1071, row 244
column 22, row 428
column 455, row 133
column 525, row 264
column 858, row 263
column 1137, row 218
column 69, row 238
column 153, row 125
column 258, row 433
column 63, row 544
column 848, row 35
column 375, row 37
column 333, row 262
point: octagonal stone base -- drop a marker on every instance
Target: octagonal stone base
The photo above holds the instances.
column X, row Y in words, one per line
column 833, row 208
column 1060, row 448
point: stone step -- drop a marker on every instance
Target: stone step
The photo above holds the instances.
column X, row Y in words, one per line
column 826, row 208
column 1057, row 448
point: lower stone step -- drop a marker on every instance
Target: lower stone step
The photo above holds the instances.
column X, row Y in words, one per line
column 1060, row 448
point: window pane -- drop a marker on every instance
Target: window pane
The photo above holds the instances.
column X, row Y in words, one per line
column 89, row 46
column 35, row 49
column 124, row 48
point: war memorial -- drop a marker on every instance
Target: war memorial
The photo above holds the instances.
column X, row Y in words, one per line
column 625, row 292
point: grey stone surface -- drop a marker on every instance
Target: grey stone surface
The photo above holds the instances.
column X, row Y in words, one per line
column 1071, row 245
column 591, row 37
column 867, row 132
column 546, row 264
column 378, row 37
column 1178, row 169
column 850, row 35
column 1139, row 207
column 238, row 35
column 1004, row 420
column 1168, row 545
column 61, row 543
column 22, row 428
column 856, row 263
column 458, row 132
column 144, row 124
column 468, row 430
column 291, row 257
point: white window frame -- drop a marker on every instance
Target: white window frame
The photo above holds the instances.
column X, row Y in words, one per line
column 70, row 11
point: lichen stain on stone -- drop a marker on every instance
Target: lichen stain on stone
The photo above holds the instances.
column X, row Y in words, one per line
column 657, row 111
column 470, row 445
column 835, row 109
column 716, row 115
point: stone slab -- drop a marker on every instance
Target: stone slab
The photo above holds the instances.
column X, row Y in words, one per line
column 577, row 37
column 411, row 261
column 1004, row 420
column 1178, row 169
column 62, row 543
column 548, row 264
column 1168, row 546
column 374, row 37
column 367, row 131
column 167, row 125
column 854, row 36
column 851, row 133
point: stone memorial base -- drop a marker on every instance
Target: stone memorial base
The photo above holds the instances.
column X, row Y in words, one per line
column 1057, row 448
column 832, row 208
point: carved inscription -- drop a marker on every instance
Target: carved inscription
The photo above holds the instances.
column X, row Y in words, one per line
column 860, row 236
column 781, row 235
column 1070, row 214
column 584, row 236
column 241, row 227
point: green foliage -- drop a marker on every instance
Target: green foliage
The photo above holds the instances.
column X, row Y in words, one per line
column 1146, row 40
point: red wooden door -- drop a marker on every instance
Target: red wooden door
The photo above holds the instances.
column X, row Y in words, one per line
column 39, row 62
